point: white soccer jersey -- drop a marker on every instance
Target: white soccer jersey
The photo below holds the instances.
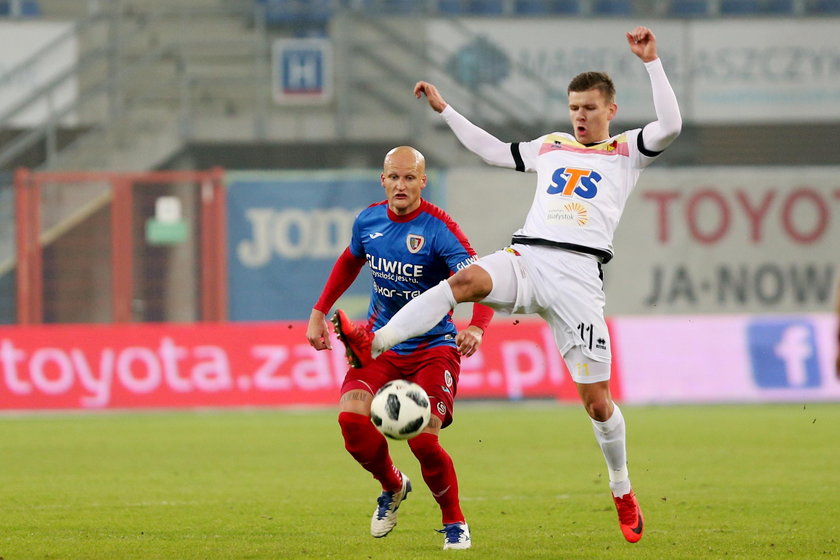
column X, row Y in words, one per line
column 581, row 190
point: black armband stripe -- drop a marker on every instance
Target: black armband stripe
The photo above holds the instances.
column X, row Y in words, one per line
column 517, row 157
column 641, row 145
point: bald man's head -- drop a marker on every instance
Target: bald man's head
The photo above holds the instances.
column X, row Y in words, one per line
column 404, row 177
column 406, row 156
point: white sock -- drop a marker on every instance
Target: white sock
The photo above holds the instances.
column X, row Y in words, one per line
column 611, row 437
column 417, row 317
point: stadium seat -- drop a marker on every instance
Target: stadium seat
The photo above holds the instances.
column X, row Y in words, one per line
column 689, row 8
column 825, row 7
column 471, row 7
column 529, row 7
column 296, row 12
column 546, row 7
column 612, row 7
column 739, row 7
column 487, row 7
column 452, row 7
column 20, row 8
column 399, row 7
column 780, row 7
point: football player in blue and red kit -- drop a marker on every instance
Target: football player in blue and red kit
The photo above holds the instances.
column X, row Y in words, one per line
column 409, row 245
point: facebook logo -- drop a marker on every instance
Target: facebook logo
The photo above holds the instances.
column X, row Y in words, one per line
column 784, row 354
column 303, row 70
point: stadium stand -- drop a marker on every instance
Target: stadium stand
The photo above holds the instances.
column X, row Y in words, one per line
column 547, row 7
column 689, row 8
column 20, row 8
column 826, row 7
column 783, row 7
column 319, row 12
column 295, row 11
column 196, row 96
column 612, row 8
column 758, row 7
column 395, row 7
column 471, row 7
column 739, row 7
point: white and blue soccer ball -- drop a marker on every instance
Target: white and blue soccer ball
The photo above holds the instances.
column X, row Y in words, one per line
column 400, row 409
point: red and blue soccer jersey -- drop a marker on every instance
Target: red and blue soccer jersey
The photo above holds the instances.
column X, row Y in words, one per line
column 407, row 255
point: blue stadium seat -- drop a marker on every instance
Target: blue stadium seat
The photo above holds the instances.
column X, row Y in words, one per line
column 399, row 7
column 281, row 12
column 739, row 7
column 825, row 7
column 471, row 7
column 780, row 7
column 20, row 8
column 487, row 7
column 689, row 8
column 612, row 7
column 452, row 7
column 545, row 7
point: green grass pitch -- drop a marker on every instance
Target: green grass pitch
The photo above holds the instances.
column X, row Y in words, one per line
column 726, row 481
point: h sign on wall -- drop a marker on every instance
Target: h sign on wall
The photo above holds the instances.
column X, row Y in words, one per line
column 302, row 70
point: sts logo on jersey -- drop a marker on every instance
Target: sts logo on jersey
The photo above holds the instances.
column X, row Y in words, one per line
column 784, row 354
column 568, row 180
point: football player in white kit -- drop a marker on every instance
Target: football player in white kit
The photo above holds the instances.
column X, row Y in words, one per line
column 553, row 265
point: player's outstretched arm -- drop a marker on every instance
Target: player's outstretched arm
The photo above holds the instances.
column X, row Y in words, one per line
column 483, row 144
column 317, row 332
column 658, row 135
column 434, row 97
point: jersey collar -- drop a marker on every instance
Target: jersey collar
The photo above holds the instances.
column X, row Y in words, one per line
column 407, row 217
column 596, row 143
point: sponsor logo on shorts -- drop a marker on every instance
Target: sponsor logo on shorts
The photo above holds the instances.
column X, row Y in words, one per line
column 447, row 377
column 441, row 407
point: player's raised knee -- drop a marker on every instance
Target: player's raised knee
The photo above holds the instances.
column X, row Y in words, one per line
column 471, row 284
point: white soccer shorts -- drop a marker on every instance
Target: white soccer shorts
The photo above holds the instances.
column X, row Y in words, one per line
column 565, row 289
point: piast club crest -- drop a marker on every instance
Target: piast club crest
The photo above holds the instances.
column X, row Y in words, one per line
column 414, row 242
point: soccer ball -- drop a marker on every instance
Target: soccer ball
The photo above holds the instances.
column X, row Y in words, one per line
column 400, row 409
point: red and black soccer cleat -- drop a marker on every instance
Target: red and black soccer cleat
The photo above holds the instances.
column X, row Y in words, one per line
column 356, row 339
column 630, row 517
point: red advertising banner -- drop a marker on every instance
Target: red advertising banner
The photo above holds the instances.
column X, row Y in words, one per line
column 238, row 364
